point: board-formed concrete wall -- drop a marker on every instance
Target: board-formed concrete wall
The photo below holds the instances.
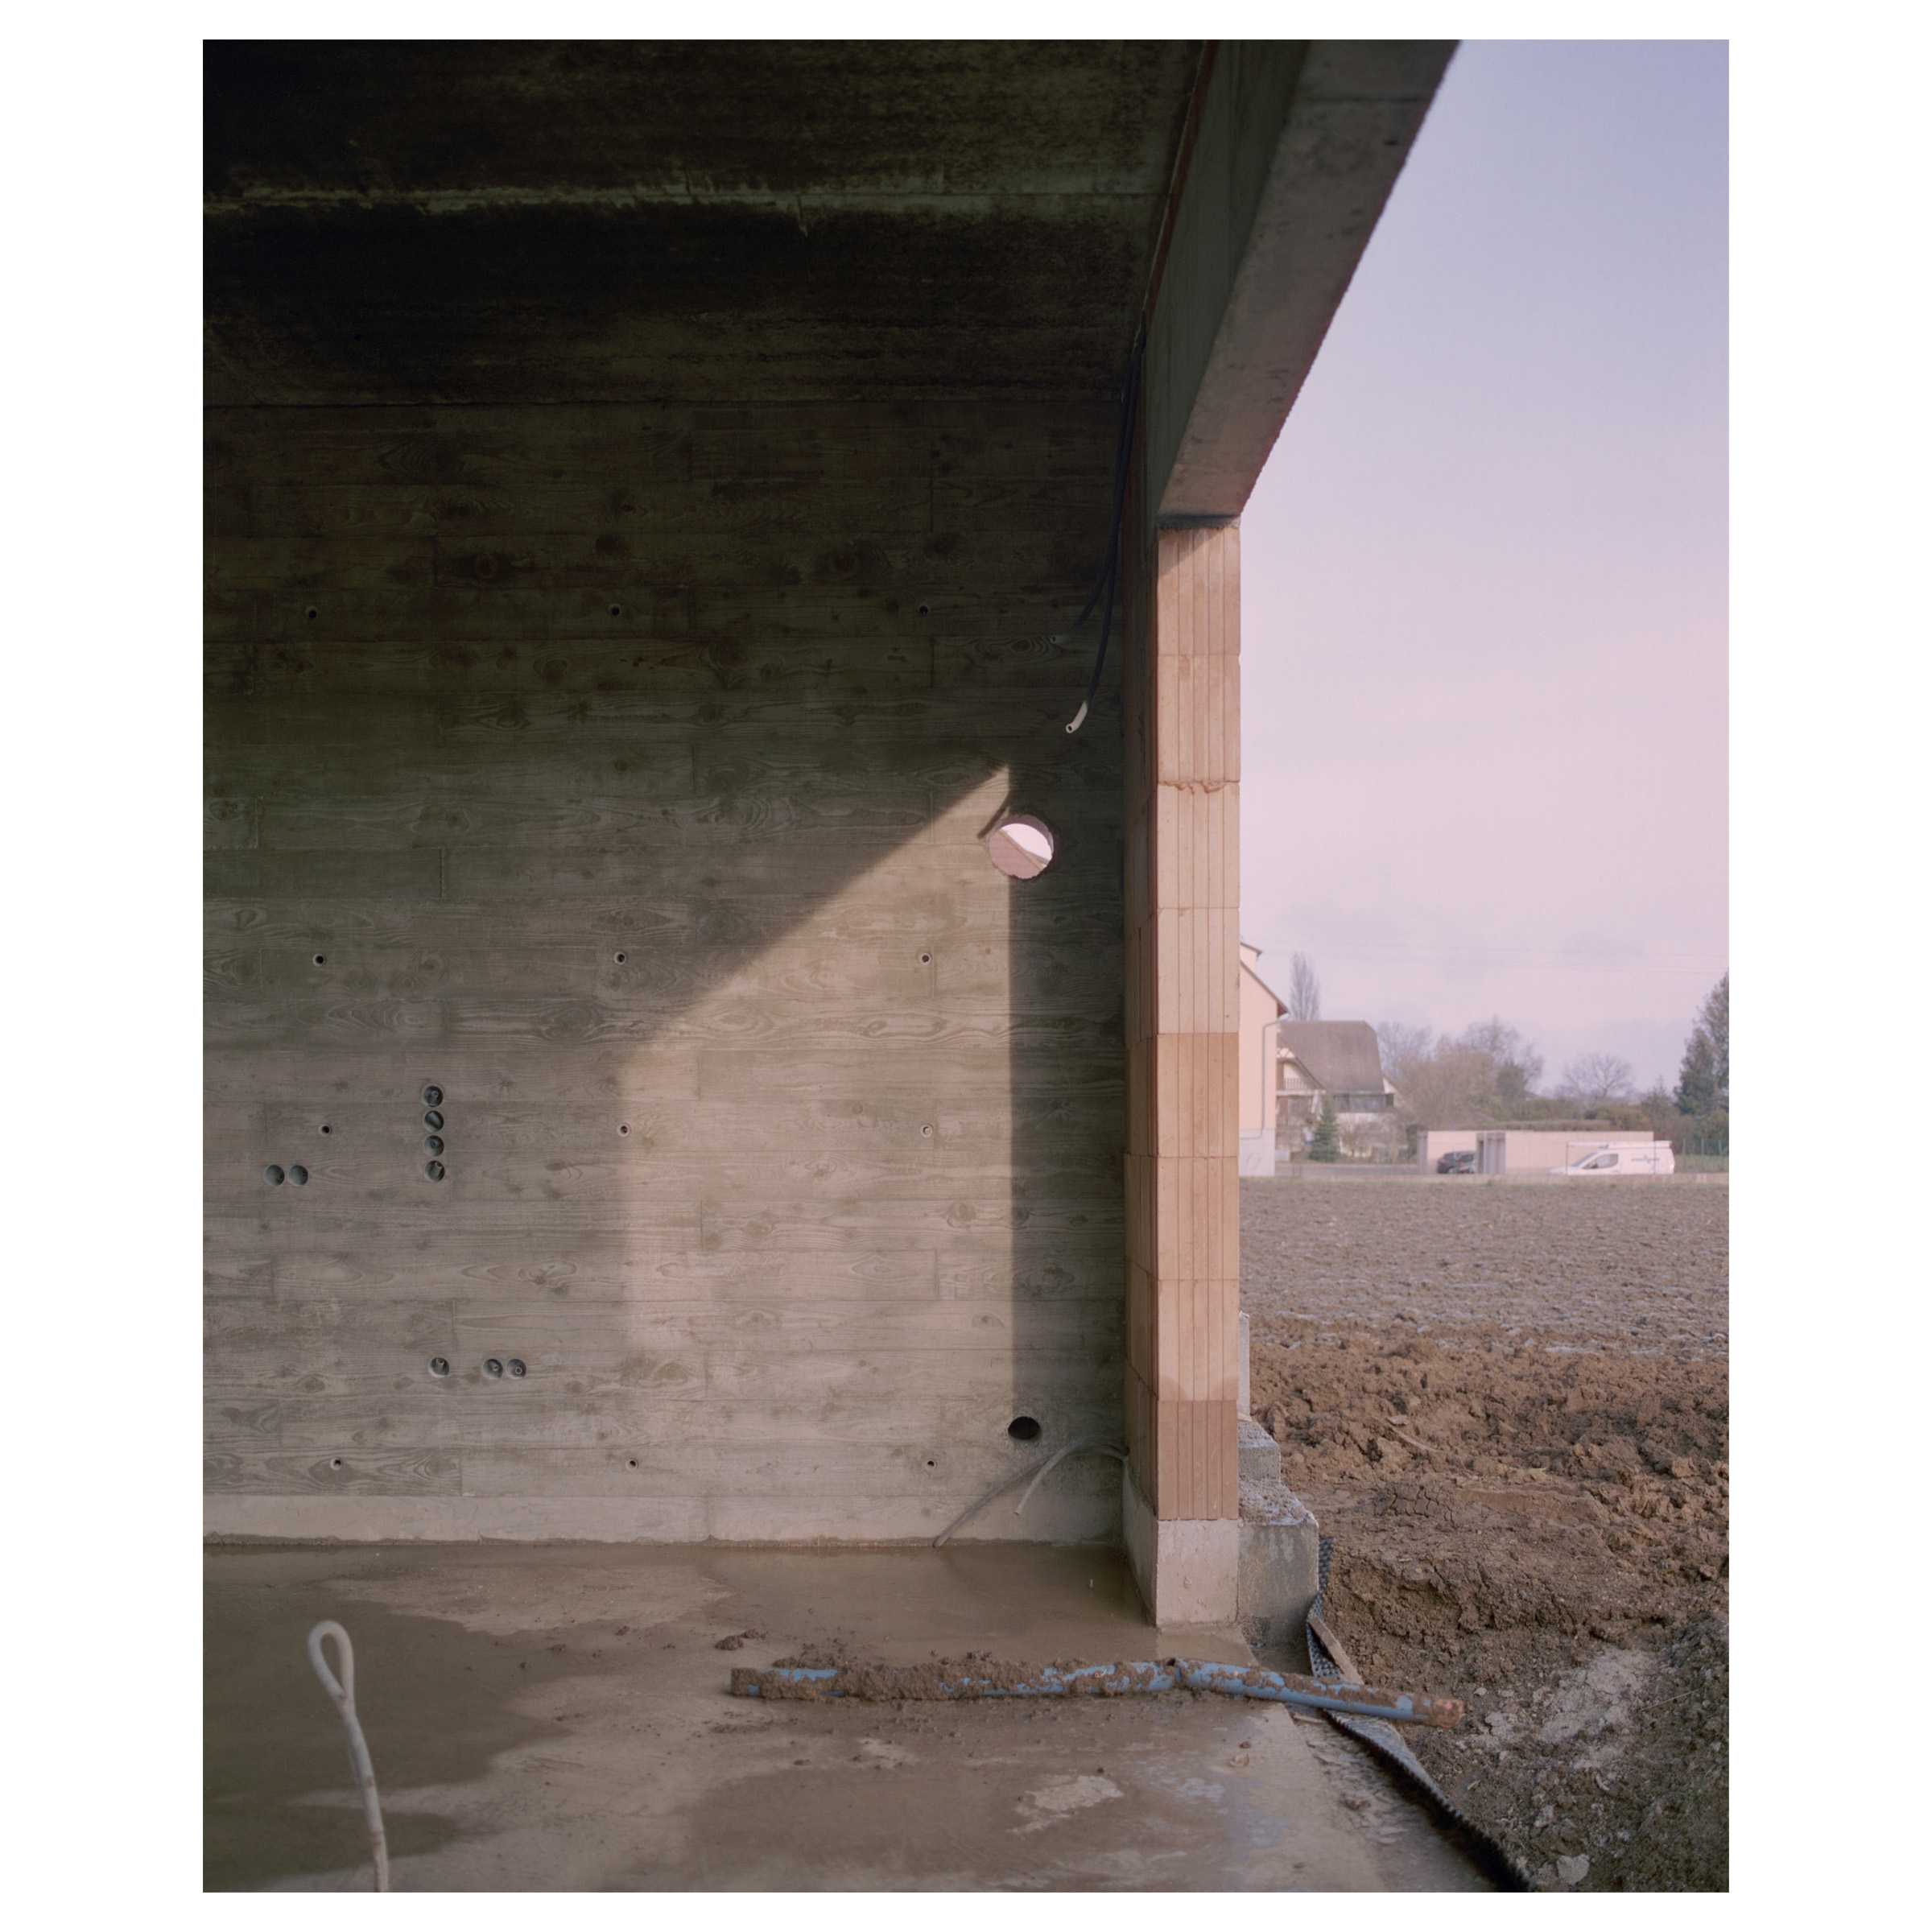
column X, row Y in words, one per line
column 623, row 772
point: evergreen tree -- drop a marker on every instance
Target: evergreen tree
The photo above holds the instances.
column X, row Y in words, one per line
column 1703, row 1082
column 1326, row 1145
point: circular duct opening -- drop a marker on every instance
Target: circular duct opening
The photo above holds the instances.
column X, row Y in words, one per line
column 1022, row 846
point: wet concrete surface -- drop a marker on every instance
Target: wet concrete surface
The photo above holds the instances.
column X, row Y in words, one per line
column 555, row 1718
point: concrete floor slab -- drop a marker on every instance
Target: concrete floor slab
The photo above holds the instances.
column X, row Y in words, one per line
column 555, row 1718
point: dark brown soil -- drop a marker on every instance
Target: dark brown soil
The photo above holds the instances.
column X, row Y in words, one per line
column 1508, row 1407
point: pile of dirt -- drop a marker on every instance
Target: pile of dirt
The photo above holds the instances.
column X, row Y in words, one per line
column 1540, row 1529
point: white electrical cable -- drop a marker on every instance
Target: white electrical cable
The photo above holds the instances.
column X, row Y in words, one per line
column 345, row 1696
column 1090, row 1445
column 1096, row 1444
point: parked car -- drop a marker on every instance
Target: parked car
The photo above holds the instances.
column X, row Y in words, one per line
column 1461, row 1161
column 1656, row 1158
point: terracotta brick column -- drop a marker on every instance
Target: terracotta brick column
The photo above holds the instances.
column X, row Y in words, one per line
column 1183, row 725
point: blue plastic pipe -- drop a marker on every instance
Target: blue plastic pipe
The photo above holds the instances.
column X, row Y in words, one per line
column 1107, row 1680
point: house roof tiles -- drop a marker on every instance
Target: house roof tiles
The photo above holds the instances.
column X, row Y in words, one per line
column 1341, row 1056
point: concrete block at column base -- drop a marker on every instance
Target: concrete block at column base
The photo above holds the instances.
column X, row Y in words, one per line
column 1186, row 1568
column 1260, row 1455
column 1280, row 1567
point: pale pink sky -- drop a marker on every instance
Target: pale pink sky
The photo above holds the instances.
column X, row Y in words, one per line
column 1484, row 574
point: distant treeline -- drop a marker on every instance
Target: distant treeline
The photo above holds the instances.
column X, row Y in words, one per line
column 1488, row 1074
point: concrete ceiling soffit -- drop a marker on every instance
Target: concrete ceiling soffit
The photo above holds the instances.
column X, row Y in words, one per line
column 1299, row 146
column 410, row 223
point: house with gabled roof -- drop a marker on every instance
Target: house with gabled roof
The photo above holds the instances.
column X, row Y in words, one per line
column 1340, row 1060
column 1262, row 1014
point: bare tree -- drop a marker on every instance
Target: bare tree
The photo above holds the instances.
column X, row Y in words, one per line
column 1304, row 989
column 1487, row 1073
column 1597, row 1079
column 1516, row 1065
column 1403, row 1048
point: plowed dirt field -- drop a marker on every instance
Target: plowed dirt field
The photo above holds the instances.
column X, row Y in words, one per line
column 1508, row 1404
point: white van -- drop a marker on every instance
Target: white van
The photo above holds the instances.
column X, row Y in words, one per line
column 1656, row 1158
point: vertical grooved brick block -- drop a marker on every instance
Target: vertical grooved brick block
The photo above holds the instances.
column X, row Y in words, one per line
column 1183, row 898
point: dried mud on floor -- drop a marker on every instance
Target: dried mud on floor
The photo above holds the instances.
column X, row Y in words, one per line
column 1508, row 1407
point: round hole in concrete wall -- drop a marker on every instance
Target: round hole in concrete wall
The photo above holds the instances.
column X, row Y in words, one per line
column 432, row 1143
column 434, row 1169
column 616, row 610
column 621, row 957
column 321, row 959
column 439, row 1365
column 273, row 1176
column 298, row 1176
column 493, row 1367
column 623, row 1127
column 325, row 1128
column 516, row 1368
column 925, row 610
column 925, row 959
column 926, row 1131
column 432, row 1097
column 310, row 614
column 432, row 1119
column 632, row 1463
column 335, row 1461
column 1023, row 1429
column 1021, row 846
